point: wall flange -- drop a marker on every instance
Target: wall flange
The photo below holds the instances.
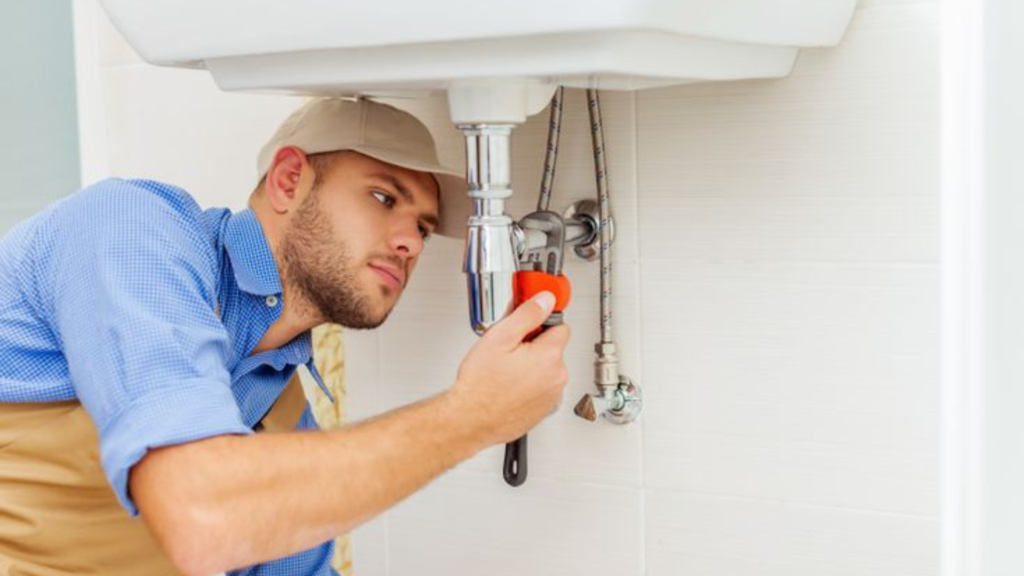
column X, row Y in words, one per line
column 586, row 212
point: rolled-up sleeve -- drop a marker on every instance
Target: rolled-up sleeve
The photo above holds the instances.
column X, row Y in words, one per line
column 133, row 301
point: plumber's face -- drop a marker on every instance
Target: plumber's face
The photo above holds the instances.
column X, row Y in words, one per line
column 356, row 238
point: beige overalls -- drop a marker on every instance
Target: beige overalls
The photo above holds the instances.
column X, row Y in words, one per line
column 58, row 514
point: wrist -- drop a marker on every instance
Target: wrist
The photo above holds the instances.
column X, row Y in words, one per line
column 463, row 416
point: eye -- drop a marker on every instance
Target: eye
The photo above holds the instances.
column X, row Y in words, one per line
column 424, row 232
column 385, row 199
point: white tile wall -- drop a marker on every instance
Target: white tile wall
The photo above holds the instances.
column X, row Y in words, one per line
column 471, row 523
column 690, row 533
column 776, row 296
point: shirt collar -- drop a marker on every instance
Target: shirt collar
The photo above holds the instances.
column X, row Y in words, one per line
column 251, row 258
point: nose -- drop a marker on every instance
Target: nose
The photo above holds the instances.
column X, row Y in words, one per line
column 406, row 238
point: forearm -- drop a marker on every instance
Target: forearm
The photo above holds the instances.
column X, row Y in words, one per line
column 232, row 501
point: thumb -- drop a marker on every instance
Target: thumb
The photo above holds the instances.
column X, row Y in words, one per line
column 511, row 330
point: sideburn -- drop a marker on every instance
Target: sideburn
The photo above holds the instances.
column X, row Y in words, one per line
column 319, row 267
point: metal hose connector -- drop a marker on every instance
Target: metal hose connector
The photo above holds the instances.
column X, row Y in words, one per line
column 620, row 399
column 604, row 208
column 551, row 157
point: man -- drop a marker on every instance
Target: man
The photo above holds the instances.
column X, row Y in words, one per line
column 142, row 340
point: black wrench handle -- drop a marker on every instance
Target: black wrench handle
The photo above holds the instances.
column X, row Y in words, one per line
column 515, row 468
column 515, row 462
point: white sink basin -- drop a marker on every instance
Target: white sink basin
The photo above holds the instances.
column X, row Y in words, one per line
column 388, row 46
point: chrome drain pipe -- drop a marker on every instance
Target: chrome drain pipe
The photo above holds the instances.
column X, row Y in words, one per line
column 491, row 257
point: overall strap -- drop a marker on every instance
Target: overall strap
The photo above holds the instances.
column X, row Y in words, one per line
column 284, row 415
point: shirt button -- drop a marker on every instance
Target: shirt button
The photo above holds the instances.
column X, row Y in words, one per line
column 271, row 300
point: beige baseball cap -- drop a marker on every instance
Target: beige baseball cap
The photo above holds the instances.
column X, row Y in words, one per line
column 379, row 131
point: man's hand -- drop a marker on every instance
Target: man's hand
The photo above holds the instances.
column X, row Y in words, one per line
column 509, row 385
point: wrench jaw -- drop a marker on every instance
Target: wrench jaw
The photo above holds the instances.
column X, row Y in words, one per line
column 550, row 256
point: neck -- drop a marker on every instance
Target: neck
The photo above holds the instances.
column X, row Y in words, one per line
column 298, row 315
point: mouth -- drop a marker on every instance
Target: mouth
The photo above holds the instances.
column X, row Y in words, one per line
column 389, row 275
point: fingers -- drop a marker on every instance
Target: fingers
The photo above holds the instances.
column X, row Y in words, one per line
column 523, row 320
column 554, row 336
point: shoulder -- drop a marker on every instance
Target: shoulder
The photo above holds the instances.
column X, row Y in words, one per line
column 115, row 199
column 139, row 211
column 117, row 220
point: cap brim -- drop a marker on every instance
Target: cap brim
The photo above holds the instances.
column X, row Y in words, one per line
column 456, row 206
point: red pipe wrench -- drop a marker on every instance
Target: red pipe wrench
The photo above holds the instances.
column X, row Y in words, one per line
column 540, row 270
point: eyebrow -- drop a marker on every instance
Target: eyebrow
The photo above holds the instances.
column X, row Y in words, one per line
column 407, row 196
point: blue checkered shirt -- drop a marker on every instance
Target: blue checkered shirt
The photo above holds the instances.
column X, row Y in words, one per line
column 130, row 298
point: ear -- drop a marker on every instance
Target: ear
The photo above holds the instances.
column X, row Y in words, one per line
column 282, row 185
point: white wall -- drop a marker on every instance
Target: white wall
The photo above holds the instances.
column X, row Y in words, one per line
column 38, row 127
column 1002, row 230
column 983, row 316
column 776, row 296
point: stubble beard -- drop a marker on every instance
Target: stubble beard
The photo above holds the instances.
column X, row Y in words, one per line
column 320, row 269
